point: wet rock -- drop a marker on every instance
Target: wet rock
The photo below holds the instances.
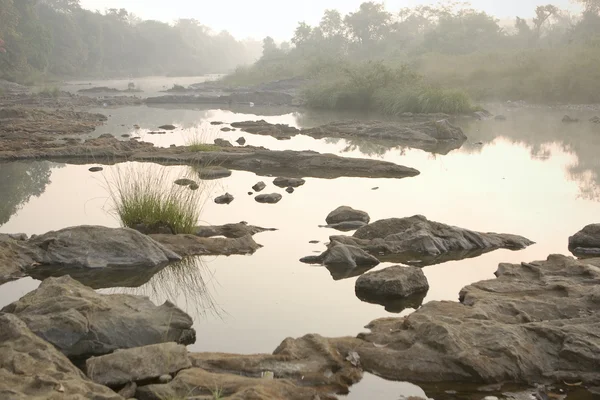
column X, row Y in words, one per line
column 125, row 135
column 33, row 369
column 392, row 283
column 288, row 182
column 82, row 323
column 262, row 127
column 500, row 117
column 212, row 173
column 586, row 242
column 271, row 198
column 224, row 199
column 595, row 120
column 314, row 242
column 347, row 256
column 241, row 141
column 416, row 240
column 184, row 182
column 345, row 226
column 137, row 364
column 233, row 231
column 227, row 129
column 95, row 169
column 128, row 391
column 537, row 322
column 396, row 305
column 13, row 259
column 194, row 186
column 167, row 127
column 346, row 214
column 290, row 190
column 259, row 187
column 569, row 119
column 250, row 193
column 192, row 245
column 223, row 143
column 157, row 133
column 216, row 123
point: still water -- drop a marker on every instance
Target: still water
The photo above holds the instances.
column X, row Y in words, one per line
column 530, row 175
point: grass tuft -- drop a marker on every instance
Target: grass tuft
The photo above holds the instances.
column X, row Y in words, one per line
column 197, row 140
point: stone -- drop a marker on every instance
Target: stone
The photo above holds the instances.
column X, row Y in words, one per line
column 241, row 140
column 223, row 143
column 31, row 368
column 211, row 173
column 339, row 254
column 227, row 129
column 345, row 226
column 569, row 119
column 95, row 169
column 165, row 378
column 82, row 323
column 345, row 214
column 194, row 186
column 137, row 364
column 259, row 187
column 224, row 199
column 391, row 283
column 288, row 182
column 216, row 123
column 167, row 127
column 278, row 131
column 290, row 190
column 185, row 182
column 586, row 242
column 128, row 391
column 238, row 230
column 192, row 245
column 271, row 198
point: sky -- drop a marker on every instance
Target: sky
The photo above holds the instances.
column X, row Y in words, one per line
column 278, row 18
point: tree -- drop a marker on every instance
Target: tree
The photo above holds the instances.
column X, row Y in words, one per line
column 370, row 23
column 269, row 47
column 66, row 6
column 542, row 14
column 592, row 6
column 302, row 34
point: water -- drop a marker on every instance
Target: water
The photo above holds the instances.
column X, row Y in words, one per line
column 533, row 176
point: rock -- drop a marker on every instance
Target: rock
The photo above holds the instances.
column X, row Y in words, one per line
column 500, row 117
column 259, row 187
column 167, row 127
column 345, row 214
column 347, row 256
column 192, row 245
column 82, row 323
column 233, row 231
column 212, row 173
column 290, row 190
column 569, row 119
column 314, row 242
column 416, row 240
column 481, row 115
column 227, row 129
column 184, row 182
column 250, row 193
column 537, row 322
column 595, row 120
column 33, row 369
column 157, row 133
column 288, row 182
column 95, row 169
column 586, row 242
column 224, row 199
column 241, row 141
column 14, row 260
column 262, row 127
column 137, row 364
column 223, row 143
column 194, row 186
column 165, row 378
column 216, row 123
column 128, row 391
column 392, row 283
column 345, row 226
column 125, row 135
column 268, row 198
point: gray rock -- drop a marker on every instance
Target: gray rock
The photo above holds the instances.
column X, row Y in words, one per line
column 347, row 256
column 128, row 391
column 238, row 230
column 167, row 127
column 211, row 173
column 223, row 143
column 241, row 140
column 194, row 186
column 569, row 119
column 224, row 199
column 290, row 190
column 416, row 240
column 95, row 169
column 184, row 182
column 259, row 187
column 345, row 214
column 346, row 226
column 288, row 182
column 82, row 323
column 192, row 245
column 392, row 282
column 33, row 369
column 216, row 123
column 586, row 242
column 278, row 131
column 268, row 198
column 165, row 378
column 137, row 364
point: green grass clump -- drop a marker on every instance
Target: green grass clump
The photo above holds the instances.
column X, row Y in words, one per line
column 196, row 140
column 149, row 197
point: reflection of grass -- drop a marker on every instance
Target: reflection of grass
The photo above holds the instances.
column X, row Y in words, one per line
column 147, row 196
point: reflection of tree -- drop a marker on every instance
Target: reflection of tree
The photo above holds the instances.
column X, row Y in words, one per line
column 18, row 182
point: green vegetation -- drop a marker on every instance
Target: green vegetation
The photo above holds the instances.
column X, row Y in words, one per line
column 49, row 91
column 197, row 140
column 145, row 196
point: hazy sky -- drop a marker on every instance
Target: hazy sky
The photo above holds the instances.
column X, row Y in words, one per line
column 278, row 18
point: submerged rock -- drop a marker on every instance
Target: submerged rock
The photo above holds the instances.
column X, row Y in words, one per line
column 82, row 323
column 137, row 364
column 259, row 187
column 33, row 369
column 288, row 182
column 271, row 198
column 392, row 283
column 416, row 240
column 345, row 214
column 586, row 242
column 224, row 199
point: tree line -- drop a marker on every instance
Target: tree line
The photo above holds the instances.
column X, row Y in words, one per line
column 41, row 38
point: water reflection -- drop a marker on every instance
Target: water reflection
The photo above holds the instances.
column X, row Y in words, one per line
column 394, row 305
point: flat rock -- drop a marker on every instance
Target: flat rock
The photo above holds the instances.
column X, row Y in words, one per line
column 232, row 231
column 537, row 322
column 342, row 255
column 586, row 242
column 259, row 187
column 211, row 173
column 345, row 214
column 271, row 198
column 416, row 240
column 82, row 323
column 32, row 368
column 167, row 127
column 224, row 199
column 137, row 364
column 391, row 283
column 262, row 127
column 192, row 245
column 288, row 182
column 95, row 169
column 184, row 182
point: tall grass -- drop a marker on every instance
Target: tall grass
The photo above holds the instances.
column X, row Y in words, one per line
column 198, row 139
column 148, row 196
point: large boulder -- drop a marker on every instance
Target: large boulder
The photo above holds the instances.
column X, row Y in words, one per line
column 31, row 368
column 392, row 283
column 586, row 242
column 82, row 323
column 347, row 214
column 13, row 260
column 416, row 240
column 137, row 364
column 537, row 322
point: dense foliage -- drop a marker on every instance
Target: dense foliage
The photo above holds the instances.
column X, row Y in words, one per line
column 59, row 38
